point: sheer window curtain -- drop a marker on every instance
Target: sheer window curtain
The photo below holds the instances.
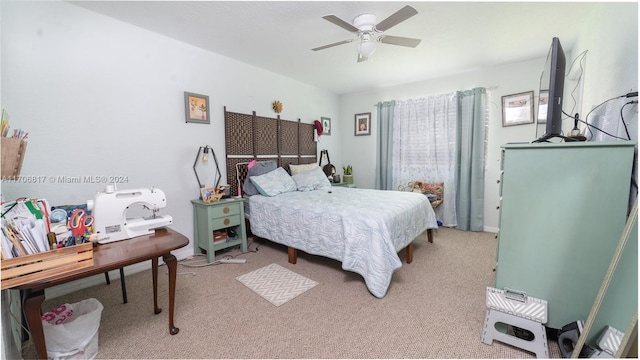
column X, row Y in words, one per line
column 437, row 139
column 423, row 139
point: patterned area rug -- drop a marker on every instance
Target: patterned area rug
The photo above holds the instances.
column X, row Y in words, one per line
column 276, row 284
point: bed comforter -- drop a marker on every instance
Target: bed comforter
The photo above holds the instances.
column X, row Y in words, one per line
column 362, row 228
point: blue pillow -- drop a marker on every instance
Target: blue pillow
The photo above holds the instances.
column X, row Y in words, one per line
column 274, row 182
column 314, row 179
column 259, row 168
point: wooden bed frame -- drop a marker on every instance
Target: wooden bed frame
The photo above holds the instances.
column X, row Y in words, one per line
column 251, row 137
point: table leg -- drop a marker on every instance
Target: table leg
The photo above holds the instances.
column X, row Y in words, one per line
column 172, row 265
column 154, row 274
column 32, row 308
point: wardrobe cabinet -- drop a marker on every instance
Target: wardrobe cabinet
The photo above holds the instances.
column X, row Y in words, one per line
column 563, row 208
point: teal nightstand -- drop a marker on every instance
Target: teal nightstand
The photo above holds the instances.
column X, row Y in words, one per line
column 218, row 215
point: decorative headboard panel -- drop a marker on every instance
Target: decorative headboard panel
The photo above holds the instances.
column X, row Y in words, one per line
column 250, row 137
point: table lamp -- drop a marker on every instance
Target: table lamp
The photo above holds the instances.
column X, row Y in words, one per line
column 202, row 161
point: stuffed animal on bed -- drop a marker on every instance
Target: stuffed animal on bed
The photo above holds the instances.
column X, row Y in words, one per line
column 433, row 191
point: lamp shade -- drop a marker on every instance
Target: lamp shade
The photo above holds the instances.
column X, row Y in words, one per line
column 366, row 48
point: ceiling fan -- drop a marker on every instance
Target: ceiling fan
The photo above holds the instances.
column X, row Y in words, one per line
column 368, row 32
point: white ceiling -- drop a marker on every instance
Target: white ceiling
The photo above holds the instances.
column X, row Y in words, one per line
column 278, row 35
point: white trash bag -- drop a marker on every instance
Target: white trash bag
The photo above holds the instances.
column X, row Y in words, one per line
column 71, row 330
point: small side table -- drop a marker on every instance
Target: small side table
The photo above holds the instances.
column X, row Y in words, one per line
column 343, row 184
column 218, row 215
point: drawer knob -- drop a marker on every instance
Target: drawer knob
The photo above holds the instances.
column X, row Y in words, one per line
column 225, row 210
column 498, row 207
column 226, row 221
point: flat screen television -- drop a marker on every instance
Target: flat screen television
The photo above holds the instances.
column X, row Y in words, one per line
column 551, row 92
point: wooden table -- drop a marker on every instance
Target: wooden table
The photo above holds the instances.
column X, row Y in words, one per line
column 108, row 257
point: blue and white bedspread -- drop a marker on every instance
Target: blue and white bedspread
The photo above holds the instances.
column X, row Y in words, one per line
column 362, row 228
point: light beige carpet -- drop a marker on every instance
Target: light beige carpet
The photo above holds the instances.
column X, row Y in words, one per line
column 435, row 308
column 276, row 284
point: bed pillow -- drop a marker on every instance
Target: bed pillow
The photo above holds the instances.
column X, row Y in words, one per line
column 258, row 168
column 297, row 169
column 314, row 179
column 274, row 182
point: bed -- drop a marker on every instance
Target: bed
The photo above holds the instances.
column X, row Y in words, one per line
column 364, row 229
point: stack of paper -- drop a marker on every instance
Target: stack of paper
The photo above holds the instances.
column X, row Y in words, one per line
column 24, row 228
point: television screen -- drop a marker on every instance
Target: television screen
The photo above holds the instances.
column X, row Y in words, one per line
column 551, row 92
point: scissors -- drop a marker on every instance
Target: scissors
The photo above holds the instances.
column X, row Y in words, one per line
column 79, row 222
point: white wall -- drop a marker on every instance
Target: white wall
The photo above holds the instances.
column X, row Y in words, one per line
column 102, row 97
column 612, row 70
column 611, row 40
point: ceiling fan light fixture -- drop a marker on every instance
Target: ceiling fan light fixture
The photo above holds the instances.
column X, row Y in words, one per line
column 366, row 48
column 369, row 31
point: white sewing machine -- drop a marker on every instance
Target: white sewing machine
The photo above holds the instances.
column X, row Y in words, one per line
column 109, row 209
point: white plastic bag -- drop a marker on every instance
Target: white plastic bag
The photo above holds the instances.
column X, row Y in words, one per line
column 71, row 330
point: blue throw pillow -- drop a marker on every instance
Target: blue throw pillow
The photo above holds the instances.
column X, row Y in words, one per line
column 259, row 168
column 274, row 182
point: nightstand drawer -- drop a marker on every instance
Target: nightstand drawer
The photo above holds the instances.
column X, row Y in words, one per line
column 225, row 221
column 224, row 210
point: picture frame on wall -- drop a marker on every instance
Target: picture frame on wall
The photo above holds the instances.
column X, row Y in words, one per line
column 543, row 101
column 517, row 109
column 326, row 125
column 362, row 124
column 196, row 108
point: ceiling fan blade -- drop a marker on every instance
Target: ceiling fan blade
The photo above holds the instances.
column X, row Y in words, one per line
column 343, row 24
column 395, row 19
column 332, row 45
column 399, row 40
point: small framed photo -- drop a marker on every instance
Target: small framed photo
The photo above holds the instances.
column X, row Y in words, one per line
column 517, row 109
column 362, row 124
column 326, row 125
column 196, row 108
column 543, row 101
column 209, row 195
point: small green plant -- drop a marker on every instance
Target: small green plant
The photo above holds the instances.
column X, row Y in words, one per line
column 347, row 170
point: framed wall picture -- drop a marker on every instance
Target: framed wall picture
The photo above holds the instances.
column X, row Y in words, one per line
column 196, row 108
column 517, row 109
column 326, row 125
column 362, row 124
column 543, row 100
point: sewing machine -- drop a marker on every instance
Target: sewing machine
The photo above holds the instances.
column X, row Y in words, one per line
column 109, row 208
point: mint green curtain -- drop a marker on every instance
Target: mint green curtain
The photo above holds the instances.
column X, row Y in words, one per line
column 384, row 145
column 470, row 158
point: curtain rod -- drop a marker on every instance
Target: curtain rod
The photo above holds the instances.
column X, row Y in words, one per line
column 492, row 87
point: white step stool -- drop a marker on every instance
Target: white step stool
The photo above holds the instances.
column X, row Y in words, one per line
column 515, row 308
